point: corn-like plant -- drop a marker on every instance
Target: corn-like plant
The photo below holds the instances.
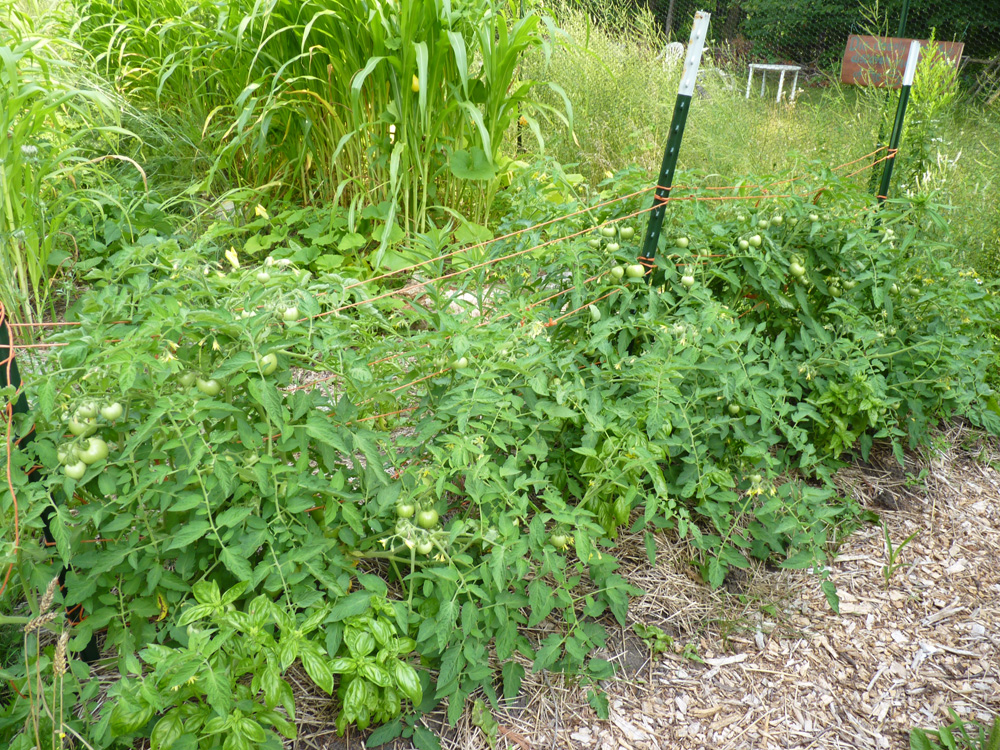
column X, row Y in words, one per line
column 363, row 101
column 47, row 129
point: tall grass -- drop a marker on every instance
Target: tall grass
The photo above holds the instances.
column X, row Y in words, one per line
column 623, row 95
column 55, row 125
column 403, row 105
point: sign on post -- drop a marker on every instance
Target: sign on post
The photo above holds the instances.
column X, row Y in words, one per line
column 879, row 60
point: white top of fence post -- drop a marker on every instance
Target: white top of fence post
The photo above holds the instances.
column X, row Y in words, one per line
column 699, row 31
column 911, row 63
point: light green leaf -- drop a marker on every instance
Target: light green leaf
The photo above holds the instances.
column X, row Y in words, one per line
column 473, row 164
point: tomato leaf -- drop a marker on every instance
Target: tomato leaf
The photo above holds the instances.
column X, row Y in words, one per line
column 189, row 534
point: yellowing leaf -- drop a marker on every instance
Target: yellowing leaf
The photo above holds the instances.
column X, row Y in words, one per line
column 161, row 602
column 261, row 212
column 234, row 261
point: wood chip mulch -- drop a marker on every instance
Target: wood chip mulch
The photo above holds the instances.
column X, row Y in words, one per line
column 794, row 674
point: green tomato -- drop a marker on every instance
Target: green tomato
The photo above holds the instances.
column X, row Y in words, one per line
column 559, row 541
column 608, row 231
column 613, row 247
column 461, row 363
column 850, row 284
column 744, row 245
column 427, row 518
column 797, row 270
column 405, row 510
column 892, row 290
column 268, row 363
column 617, row 272
column 82, row 427
column 187, row 379
column 209, row 387
column 687, row 281
column 75, row 471
column 777, row 219
column 740, row 217
column 112, row 411
column 635, row 271
column 94, row 450
column 594, row 243
column 86, row 410
column 836, row 291
column 626, row 233
column 734, row 409
column 595, row 314
column 755, row 240
column 425, row 546
column 290, row 315
column 66, row 454
column 813, row 217
column 263, row 277
column 681, row 242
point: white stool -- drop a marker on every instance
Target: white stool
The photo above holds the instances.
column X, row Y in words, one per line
column 781, row 80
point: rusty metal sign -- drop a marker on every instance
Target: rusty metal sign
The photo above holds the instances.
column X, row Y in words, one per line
column 879, row 60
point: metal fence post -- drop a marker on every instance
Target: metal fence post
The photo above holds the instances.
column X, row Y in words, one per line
column 901, row 33
column 699, row 32
column 897, row 126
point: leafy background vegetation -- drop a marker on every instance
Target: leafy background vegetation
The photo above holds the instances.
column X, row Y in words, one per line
column 296, row 447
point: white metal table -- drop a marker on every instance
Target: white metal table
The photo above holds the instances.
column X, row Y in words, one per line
column 781, row 80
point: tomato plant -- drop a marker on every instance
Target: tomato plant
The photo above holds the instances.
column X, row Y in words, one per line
column 296, row 518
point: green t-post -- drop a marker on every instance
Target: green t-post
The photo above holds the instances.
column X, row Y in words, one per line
column 897, row 126
column 696, row 45
column 901, row 33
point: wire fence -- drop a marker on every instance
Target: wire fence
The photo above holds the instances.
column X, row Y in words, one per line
column 814, row 35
